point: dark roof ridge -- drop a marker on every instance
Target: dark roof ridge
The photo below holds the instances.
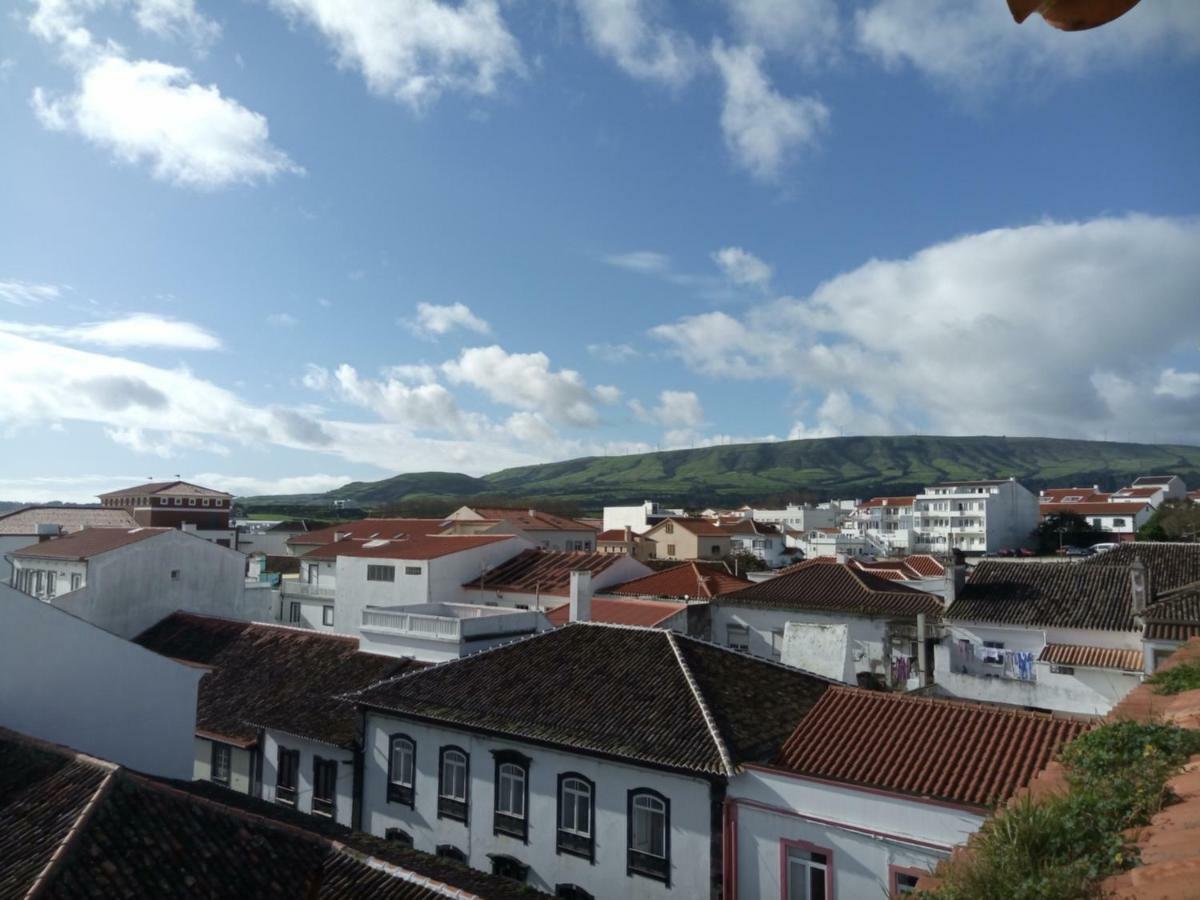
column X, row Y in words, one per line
column 743, row 653
column 960, row 703
column 705, row 712
column 66, row 845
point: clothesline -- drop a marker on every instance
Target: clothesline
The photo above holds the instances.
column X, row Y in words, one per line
column 1015, row 664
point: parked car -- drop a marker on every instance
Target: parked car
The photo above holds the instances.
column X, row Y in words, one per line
column 1080, row 551
column 1026, row 552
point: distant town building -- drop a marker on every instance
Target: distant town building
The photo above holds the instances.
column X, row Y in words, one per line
column 973, row 516
column 683, row 538
column 177, row 504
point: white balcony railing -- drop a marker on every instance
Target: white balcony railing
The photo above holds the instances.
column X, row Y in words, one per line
column 300, row 589
column 443, row 628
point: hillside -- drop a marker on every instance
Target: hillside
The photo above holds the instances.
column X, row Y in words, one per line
column 845, row 467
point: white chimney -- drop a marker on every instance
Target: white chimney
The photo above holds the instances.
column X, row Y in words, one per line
column 1138, row 588
column 842, row 558
column 581, row 595
column 47, row 530
column 627, row 537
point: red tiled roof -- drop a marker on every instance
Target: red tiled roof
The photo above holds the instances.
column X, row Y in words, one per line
column 430, row 546
column 88, row 543
column 690, row 579
column 749, row 526
column 888, row 501
column 1092, row 657
column 925, row 565
column 1099, row 508
column 366, row 529
column 614, row 534
column 530, row 518
column 648, row 613
column 542, row 571
column 165, row 487
column 941, row 749
column 698, row 527
column 1058, row 495
column 68, row 518
column 834, row 587
column 1138, row 492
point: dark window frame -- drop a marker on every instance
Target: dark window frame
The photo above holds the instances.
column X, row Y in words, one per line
column 505, row 866
column 399, row 793
column 568, row 842
column 294, row 612
column 287, row 762
column 219, row 747
column 399, row 836
column 451, row 807
column 327, row 616
column 638, row 862
column 324, row 806
column 571, row 892
column 504, row 823
column 379, row 569
column 449, row 851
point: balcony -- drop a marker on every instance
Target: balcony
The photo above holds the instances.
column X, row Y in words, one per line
column 448, row 622
column 301, row 591
column 984, row 662
column 442, row 628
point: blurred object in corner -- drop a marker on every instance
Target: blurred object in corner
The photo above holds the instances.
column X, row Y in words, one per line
column 1071, row 15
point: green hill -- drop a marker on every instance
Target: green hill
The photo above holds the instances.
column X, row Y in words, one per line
column 820, row 468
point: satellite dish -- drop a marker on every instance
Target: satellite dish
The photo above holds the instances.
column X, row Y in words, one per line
column 1071, row 15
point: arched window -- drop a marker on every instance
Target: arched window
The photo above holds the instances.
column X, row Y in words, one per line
column 453, row 784
column 512, row 794
column 402, row 769
column 649, row 823
column 398, row 836
column 576, row 811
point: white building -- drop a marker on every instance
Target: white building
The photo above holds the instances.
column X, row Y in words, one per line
column 973, row 516
column 798, row 517
column 1173, row 486
column 759, row 539
column 850, row 809
column 513, row 759
column 834, row 543
column 886, row 523
column 29, row 524
column 856, row 627
column 541, row 579
column 638, row 518
column 1120, row 518
column 545, row 530
column 436, row 632
column 125, row 580
column 66, row 681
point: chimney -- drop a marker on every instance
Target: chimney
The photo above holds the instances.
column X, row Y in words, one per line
column 532, row 513
column 47, row 531
column 1139, row 588
column 956, row 577
column 341, row 535
column 841, row 557
column 581, row 595
column 627, row 537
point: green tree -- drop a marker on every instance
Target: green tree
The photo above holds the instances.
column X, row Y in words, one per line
column 1066, row 529
column 1175, row 520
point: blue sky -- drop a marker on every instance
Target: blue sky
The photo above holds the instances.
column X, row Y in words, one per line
column 278, row 245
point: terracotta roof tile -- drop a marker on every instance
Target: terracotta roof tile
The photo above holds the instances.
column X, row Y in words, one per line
column 88, row 543
column 630, row 693
column 834, row 587
column 68, row 518
column 272, row 676
column 887, row 501
column 945, row 750
column 1175, row 617
column 416, row 546
column 183, row 488
column 689, row 579
column 1171, row 566
column 1092, row 657
column 545, row 571
column 1099, row 508
column 533, row 519
column 646, row 613
column 698, row 527
column 366, row 529
column 925, row 565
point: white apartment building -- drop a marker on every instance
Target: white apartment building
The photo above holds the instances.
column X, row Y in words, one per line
column 638, row 518
column 885, row 523
column 973, row 516
column 799, row 518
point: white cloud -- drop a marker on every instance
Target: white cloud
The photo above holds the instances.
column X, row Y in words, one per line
column 808, row 29
column 623, row 31
column 742, row 267
column 763, row 129
column 1024, row 330
column 163, row 444
column 525, row 381
column 966, row 44
column 607, row 393
column 646, row 262
column 613, row 353
column 433, row 320
column 282, row 320
column 138, row 330
column 176, row 19
column 675, row 409
column 423, row 406
column 24, row 293
column 249, row 486
column 415, row 50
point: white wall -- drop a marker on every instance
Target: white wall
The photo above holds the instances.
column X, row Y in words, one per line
column 865, row 831
column 690, row 812
column 241, row 766
column 272, row 740
column 129, row 589
column 618, row 572
column 66, row 681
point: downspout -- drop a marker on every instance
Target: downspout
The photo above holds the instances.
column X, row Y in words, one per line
column 356, row 790
column 729, row 849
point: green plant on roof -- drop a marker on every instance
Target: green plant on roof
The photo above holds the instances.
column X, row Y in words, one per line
column 1177, row 679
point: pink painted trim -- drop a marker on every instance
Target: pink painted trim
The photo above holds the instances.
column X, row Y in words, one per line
column 949, row 804
column 893, row 871
column 785, row 871
column 854, row 829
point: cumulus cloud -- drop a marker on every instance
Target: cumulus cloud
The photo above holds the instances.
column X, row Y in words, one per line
column 391, row 398
column 763, row 129
column 433, row 321
column 249, row 486
column 416, row 50
column 968, row 44
column 742, row 267
column 137, row 330
column 25, row 293
column 807, row 29
column 1026, row 330
column 675, row 409
column 613, row 353
column 623, row 30
column 525, row 381
column 607, row 393
column 176, row 19
column 646, row 262
column 282, row 320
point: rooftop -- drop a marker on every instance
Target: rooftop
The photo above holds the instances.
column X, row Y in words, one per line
column 1095, row 507
column 940, row 749
column 369, row 529
column 532, row 519
column 271, row 676
column 1091, row 657
column 888, row 501
column 643, row 695
column 834, row 587
column 547, row 572
column 74, row 826
column 87, row 543
column 68, row 518
column 416, row 546
column 170, row 488
column 1175, row 617
column 698, row 527
column 647, row 613
column 690, row 579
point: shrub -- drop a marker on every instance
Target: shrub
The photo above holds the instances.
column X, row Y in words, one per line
column 1176, row 680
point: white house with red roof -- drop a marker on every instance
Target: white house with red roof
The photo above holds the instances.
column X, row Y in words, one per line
column 542, row 529
column 884, row 522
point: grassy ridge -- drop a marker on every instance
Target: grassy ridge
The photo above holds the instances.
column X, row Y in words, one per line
column 849, row 467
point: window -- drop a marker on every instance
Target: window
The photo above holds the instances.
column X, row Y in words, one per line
column 777, row 643
column 670, row 549
column 294, row 611
column 1118, row 523
column 716, row 550
column 191, row 501
column 649, row 824
column 412, row 570
column 287, row 776
column 449, row 851
column 453, row 779
column 325, row 772
column 512, row 794
column 508, row 867
column 402, row 764
column 670, row 528
column 806, row 874
column 993, row 653
column 179, row 501
column 398, row 836
column 381, row 573
column 903, row 881
column 40, row 575
column 76, row 581
column 327, row 615
column 571, row 892
column 737, row 637
column 576, row 798
column 1062, row 670
column 51, row 578
column 204, row 502
column 174, row 574
column 221, row 758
